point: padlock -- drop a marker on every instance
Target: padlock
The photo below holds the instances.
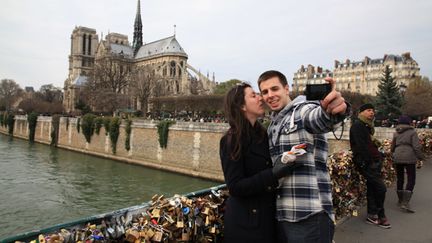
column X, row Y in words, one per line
column 67, row 236
column 132, row 235
column 41, row 238
column 178, row 211
column 212, row 230
column 206, row 211
column 185, row 236
column 169, row 218
column 157, row 236
column 150, row 233
column 141, row 220
column 180, row 223
column 155, row 213
column 54, row 238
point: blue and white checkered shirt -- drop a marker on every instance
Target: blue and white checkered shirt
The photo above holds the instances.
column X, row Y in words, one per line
column 307, row 190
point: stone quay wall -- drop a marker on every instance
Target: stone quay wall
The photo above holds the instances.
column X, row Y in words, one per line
column 192, row 149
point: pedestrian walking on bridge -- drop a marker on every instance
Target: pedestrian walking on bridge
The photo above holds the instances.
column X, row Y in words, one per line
column 406, row 151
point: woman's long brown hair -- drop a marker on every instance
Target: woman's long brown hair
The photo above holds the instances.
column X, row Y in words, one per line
column 240, row 127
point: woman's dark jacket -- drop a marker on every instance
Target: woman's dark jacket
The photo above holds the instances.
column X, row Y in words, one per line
column 250, row 210
column 365, row 152
column 406, row 146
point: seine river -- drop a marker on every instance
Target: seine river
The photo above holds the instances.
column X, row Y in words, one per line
column 41, row 186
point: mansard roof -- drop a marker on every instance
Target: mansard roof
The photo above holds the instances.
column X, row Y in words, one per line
column 167, row 45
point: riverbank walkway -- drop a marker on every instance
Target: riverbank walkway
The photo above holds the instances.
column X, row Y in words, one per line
column 406, row 227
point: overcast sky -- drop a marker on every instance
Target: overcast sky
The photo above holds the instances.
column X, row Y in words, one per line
column 232, row 38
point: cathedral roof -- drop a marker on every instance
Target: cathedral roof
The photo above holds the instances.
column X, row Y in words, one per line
column 167, row 45
column 127, row 51
column 80, row 80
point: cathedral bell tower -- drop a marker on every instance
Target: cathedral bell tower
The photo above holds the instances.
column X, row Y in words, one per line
column 84, row 42
column 137, row 36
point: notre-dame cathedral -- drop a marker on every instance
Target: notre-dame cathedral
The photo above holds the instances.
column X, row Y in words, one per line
column 165, row 57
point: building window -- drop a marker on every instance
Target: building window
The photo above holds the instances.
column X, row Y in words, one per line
column 172, row 69
column 84, row 44
column 89, row 45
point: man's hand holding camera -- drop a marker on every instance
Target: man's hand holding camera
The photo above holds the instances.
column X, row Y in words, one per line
column 333, row 103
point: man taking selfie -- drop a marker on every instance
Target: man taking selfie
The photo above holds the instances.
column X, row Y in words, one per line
column 304, row 200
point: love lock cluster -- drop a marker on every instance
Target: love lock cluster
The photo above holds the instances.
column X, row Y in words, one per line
column 176, row 219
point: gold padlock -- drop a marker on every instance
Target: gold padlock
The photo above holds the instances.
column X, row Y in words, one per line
column 132, row 235
column 169, row 218
column 212, row 230
column 156, row 213
column 55, row 238
column 206, row 210
column 41, row 239
column 150, row 233
column 180, row 223
column 157, row 236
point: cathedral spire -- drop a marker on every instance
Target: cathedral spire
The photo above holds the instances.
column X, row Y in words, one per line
column 137, row 37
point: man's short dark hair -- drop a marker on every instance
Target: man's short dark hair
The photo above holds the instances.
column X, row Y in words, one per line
column 271, row 74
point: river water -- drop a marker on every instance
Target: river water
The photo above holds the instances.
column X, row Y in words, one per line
column 41, row 186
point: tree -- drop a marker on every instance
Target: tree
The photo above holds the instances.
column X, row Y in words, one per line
column 35, row 104
column 82, row 106
column 418, row 98
column 10, row 91
column 389, row 100
column 111, row 74
column 143, row 84
column 106, row 87
column 223, row 87
column 49, row 93
column 48, row 100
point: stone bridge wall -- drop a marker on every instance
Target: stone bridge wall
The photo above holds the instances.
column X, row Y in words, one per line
column 193, row 148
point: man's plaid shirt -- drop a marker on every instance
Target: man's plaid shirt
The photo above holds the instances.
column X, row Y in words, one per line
column 308, row 189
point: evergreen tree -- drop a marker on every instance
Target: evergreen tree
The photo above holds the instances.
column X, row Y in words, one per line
column 389, row 100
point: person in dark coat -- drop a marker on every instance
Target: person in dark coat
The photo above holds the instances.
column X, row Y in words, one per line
column 368, row 160
column 250, row 177
column 406, row 151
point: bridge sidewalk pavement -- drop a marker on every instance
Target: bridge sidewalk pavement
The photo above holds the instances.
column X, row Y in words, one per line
column 406, row 228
